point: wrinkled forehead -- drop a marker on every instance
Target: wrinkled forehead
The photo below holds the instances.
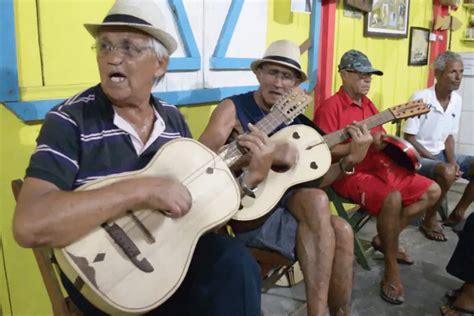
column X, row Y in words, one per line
column 454, row 64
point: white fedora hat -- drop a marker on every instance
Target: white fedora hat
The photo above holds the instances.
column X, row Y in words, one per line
column 282, row 52
column 144, row 15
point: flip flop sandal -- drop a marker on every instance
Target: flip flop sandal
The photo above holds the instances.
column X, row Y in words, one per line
column 449, row 222
column 460, row 311
column 395, row 301
column 399, row 260
column 431, row 232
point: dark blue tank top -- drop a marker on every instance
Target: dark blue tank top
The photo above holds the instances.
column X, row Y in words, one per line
column 249, row 112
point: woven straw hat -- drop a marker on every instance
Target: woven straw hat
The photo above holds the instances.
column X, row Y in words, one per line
column 282, row 52
column 143, row 15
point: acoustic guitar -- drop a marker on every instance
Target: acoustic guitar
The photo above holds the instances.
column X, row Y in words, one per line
column 314, row 158
column 402, row 152
column 135, row 263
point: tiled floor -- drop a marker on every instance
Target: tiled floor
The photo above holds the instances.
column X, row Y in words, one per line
column 425, row 282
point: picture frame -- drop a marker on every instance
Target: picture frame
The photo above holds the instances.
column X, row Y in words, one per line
column 362, row 5
column 388, row 18
column 418, row 51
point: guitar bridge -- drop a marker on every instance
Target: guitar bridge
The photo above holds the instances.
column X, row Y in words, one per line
column 129, row 248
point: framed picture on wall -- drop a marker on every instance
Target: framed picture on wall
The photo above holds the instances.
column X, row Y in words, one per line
column 419, row 46
column 388, row 18
column 362, row 5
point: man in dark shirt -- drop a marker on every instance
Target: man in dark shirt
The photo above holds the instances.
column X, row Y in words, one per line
column 300, row 226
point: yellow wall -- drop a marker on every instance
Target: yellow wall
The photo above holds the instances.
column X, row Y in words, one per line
column 73, row 71
column 457, row 45
column 389, row 55
column 16, row 145
column 26, row 290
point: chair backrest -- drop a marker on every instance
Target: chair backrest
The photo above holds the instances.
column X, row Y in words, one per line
column 60, row 304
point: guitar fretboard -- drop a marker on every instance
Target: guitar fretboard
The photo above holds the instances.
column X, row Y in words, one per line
column 269, row 123
column 341, row 135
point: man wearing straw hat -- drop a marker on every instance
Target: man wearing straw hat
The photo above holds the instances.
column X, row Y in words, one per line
column 302, row 220
column 118, row 126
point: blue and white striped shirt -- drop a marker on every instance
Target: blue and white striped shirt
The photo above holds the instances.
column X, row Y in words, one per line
column 79, row 142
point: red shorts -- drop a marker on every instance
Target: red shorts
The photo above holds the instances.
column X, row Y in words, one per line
column 370, row 186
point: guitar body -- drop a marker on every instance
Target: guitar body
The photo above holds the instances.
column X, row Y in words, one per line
column 111, row 281
column 402, row 152
column 313, row 162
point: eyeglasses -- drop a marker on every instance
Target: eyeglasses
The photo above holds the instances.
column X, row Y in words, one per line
column 286, row 77
column 125, row 48
column 361, row 75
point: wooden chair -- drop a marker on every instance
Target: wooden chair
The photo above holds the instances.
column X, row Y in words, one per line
column 61, row 305
column 273, row 267
column 357, row 217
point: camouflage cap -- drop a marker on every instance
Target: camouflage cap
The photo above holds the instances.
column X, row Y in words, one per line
column 357, row 61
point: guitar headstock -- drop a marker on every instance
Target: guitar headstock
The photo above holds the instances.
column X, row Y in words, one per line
column 292, row 104
column 409, row 109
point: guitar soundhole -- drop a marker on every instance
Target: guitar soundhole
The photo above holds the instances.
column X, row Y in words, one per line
column 210, row 170
column 314, row 165
column 280, row 168
column 296, row 135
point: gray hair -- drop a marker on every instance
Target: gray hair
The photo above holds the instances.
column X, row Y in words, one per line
column 161, row 53
column 440, row 62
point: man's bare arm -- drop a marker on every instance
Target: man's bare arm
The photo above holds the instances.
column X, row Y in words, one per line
column 419, row 147
column 47, row 216
column 220, row 126
column 449, row 150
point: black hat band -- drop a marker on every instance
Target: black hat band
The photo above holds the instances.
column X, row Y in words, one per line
column 124, row 18
column 283, row 59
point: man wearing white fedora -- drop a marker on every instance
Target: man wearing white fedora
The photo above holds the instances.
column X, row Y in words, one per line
column 301, row 226
column 115, row 127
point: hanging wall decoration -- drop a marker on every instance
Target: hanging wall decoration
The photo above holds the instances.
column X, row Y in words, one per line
column 388, row 18
column 419, row 46
column 362, row 5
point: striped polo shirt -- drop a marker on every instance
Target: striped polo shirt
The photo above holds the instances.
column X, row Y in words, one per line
column 79, row 142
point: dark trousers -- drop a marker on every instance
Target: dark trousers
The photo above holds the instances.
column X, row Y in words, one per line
column 223, row 279
column 461, row 264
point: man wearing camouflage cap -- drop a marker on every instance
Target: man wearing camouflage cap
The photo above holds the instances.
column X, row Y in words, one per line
column 385, row 189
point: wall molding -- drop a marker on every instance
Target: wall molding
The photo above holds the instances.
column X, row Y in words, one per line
column 35, row 110
column 9, row 90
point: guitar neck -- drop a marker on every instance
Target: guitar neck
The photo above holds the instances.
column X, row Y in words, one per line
column 341, row 135
column 268, row 124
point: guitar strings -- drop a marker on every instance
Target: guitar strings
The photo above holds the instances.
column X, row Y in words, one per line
column 269, row 122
